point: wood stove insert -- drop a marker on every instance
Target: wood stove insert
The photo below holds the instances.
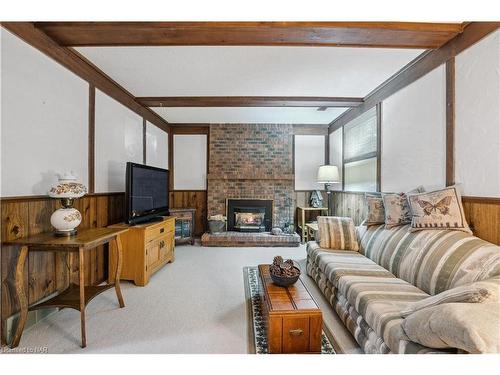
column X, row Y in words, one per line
column 249, row 215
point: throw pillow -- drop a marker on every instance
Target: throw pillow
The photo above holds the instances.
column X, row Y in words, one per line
column 477, row 292
column 472, row 327
column 396, row 207
column 337, row 233
column 440, row 209
column 375, row 214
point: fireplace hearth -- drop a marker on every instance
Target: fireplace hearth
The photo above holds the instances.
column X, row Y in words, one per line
column 249, row 215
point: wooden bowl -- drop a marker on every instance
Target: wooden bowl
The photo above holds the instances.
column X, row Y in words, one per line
column 285, row 281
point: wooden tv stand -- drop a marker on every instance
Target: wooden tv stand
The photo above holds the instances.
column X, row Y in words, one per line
column 146, row 248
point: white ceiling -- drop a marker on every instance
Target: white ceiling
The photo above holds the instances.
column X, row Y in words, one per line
column 249, row 115
column 248, row 71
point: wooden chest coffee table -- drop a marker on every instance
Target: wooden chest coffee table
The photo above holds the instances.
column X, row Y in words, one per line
column 293, row 320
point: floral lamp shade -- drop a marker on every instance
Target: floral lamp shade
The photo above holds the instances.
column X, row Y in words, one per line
column 66, row 219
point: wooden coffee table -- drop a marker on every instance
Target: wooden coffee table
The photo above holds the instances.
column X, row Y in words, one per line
column 293, row 320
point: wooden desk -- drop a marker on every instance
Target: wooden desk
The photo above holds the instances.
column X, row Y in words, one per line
column 301, row 218
column 75, row 296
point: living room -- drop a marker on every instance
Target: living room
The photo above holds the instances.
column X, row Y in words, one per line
column 250, row 187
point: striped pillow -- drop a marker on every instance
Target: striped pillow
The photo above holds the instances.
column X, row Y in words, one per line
column 337, row 233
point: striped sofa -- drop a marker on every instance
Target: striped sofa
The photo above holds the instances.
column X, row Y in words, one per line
column 394, row 267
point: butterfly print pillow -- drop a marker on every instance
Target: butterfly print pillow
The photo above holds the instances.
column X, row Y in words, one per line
column 440, row 209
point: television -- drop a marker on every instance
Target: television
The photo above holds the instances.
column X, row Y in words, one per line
column 146, row 193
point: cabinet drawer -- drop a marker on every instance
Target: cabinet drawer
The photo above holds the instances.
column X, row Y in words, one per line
column 296, row 334
column 159, row 230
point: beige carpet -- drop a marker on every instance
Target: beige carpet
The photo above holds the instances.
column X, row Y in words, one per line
column 194, row 305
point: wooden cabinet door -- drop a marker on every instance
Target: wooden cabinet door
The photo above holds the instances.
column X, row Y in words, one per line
column 153, row 254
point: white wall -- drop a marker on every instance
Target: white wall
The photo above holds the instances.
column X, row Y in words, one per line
column 309, row 155
column 413, row 135
column 335, row 155
column 44, row 120
column 190, row 161
column 118, row 139
column 477, row 118
column 156, row 146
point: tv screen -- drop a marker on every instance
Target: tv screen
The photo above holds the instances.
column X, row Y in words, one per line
column 146, row 192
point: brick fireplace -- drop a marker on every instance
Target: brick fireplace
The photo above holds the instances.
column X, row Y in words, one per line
column 251, row 161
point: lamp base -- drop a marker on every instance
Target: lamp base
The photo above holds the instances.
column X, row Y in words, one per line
column 65, row 233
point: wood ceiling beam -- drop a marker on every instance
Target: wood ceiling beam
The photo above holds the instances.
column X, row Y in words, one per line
column 77, row 64
column 423, row 64
column 336, row 34
column 249, row 101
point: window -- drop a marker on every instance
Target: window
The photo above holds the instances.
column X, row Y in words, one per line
column 360, row 153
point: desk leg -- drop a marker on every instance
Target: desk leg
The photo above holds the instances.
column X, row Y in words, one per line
column 21, row 296
column 118, row 246
column 81, row 271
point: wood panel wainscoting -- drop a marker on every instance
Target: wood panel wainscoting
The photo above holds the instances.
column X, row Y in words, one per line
column 49, row 273
column 482, row 214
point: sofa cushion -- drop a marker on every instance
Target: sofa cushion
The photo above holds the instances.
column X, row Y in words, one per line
column 337, row 233
column 396, row 207
column 439, row 209
column 473, row 327
column 478, row 292
column 337, row 263
column 432, row 260
column 375, row 213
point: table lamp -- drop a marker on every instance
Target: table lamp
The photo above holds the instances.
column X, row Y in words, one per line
column 328, row 175
column 66, row 219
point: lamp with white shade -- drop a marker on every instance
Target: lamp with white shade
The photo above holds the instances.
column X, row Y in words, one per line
column 328, row 175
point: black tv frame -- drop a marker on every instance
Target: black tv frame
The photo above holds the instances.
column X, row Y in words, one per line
column 151, row 215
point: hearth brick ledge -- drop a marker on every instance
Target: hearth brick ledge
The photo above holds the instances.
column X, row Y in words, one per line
column 242, row 239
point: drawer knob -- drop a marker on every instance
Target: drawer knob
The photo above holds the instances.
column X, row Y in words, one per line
column 162, row 244
column 296, row 332
column 162, row 230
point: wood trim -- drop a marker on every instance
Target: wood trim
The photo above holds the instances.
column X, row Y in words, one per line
column 349, row 34
column 171, row 159
column 310, row 129
column 23, row 198
column 248, row 101
column 423, row 64
column 450, row 122
column 80, row 66
column 91, row 140
column 190, row 129
column 379, row 147
column 144, row 143
column 488, row 200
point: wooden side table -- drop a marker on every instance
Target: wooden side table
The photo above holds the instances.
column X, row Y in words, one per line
column 311, row 231
column 184, row 224
column 75, row 296
column 301, row 218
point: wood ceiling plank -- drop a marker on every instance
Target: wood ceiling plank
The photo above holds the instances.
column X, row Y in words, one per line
column 347, row 34
column 249, row 101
